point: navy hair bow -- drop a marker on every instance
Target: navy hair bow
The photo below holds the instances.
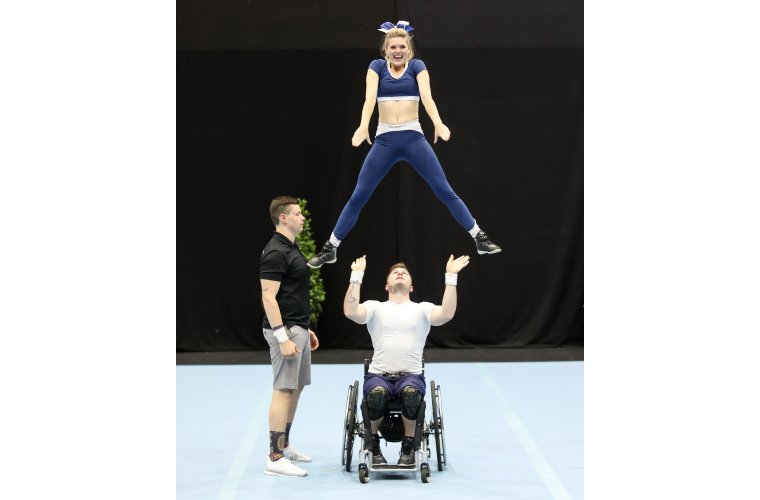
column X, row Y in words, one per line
column 386, row 27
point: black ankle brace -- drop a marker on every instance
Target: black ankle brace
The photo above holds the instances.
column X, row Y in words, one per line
column 276, row 442
column 406, row 445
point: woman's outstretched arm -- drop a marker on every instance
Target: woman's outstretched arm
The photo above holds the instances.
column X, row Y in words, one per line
column 362, row 133
column 441, row 130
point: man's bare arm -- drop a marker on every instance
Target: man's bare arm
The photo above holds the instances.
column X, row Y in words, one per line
column 351, row 307
column 444, row 313
column 269, row 291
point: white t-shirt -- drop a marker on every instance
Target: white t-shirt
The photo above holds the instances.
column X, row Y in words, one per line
column 398, row 334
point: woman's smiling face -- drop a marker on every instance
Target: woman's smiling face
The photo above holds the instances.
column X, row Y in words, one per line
column 397, row 50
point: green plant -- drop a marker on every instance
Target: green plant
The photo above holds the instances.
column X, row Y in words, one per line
column 309, row 250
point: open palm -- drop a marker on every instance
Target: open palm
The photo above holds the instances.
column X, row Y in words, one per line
column 453, row 266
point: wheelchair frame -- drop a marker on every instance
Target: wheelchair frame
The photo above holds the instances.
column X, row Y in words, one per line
column 352, row 427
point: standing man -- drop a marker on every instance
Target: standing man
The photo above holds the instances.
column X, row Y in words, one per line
column 285, row 299
column 399, row 328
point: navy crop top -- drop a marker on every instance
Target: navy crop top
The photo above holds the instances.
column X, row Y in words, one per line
column 403, row 88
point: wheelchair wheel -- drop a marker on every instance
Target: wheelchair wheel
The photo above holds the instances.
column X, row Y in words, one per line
column 363, row 474
column 440, row 441
column 345, row 427
column 425, row 473
column 349, row 425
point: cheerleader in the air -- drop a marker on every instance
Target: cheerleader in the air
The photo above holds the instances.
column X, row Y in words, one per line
column 399, row 82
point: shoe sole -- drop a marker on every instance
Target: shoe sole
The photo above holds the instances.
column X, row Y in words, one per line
column 487, row 253
column 271, row 473
column 322, row 264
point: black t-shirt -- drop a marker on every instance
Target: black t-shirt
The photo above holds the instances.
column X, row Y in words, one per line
column 283, row 261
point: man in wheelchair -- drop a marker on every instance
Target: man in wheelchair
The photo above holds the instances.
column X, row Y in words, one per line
column 399, row 328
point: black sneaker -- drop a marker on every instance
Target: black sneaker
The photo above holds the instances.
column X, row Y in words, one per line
column 406, row 458
column 377, row 455
column 484, row 244
column 328, row 255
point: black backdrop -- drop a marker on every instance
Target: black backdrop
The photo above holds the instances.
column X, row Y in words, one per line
column 268, row 97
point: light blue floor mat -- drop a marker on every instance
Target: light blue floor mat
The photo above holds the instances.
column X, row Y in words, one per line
column 513, row 430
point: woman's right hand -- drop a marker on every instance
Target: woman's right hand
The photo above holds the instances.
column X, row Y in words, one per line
column 361, row 135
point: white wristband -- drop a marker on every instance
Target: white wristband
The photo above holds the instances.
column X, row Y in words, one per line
column 451, row 279
column 281, row 335
column 357, row 276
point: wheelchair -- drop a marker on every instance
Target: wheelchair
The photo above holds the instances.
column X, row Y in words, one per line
column 392, row 429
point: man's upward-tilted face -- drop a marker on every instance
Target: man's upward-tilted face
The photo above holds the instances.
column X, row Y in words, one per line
column 399, row 281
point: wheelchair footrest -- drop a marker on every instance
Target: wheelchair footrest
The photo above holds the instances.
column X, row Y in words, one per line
column 407, row 468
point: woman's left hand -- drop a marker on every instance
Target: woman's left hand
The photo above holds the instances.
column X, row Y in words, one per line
column 361, row 135
column 441, row 131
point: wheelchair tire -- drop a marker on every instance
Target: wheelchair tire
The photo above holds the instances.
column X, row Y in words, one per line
column 443, row 427
column 345, row 426
column 363, row 474
column 437, row 425
column 425, row 473
column 351, row 427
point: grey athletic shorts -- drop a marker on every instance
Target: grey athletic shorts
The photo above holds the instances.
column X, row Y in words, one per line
column 290, row 373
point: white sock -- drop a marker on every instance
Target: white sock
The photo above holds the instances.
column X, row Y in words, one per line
column 475, row 230
column 334, row 241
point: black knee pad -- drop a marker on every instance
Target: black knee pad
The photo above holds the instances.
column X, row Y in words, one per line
column 410, row 401
column 376, row 399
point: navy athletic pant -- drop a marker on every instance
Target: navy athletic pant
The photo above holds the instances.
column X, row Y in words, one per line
column 390, row 148
column 394, row 386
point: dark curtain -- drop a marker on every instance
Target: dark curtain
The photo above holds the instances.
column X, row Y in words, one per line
column 268, row 97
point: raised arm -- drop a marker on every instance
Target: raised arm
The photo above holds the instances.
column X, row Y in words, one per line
column 351, row 307
column 370, row 95
column 445, row 312
column 441, row 130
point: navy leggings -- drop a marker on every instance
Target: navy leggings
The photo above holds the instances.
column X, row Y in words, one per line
column 390, row 148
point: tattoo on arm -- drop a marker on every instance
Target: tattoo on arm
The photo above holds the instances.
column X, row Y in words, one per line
column 351, row 299
column 264, row 289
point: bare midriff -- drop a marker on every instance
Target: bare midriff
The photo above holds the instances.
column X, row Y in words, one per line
column 398, row 112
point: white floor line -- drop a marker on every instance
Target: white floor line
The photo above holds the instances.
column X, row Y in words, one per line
column 247, row 446
column 545, row 471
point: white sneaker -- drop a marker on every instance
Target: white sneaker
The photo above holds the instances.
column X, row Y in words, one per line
column 283, row 467
column 293, row 455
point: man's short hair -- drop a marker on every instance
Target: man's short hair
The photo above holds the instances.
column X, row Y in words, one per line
column 280, row 206
column 396, row 266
